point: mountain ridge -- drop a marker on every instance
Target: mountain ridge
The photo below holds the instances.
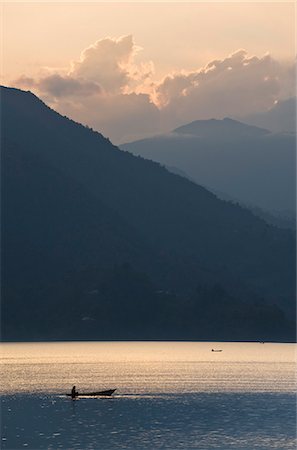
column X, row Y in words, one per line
column 227, row 127
column 257, row 168
column 75, row 208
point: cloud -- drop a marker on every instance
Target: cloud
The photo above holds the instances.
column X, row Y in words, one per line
column 239, row 84
column 104, row 89
column 120, row 117
column 58, row 86
column 110, row 63
column 107, row 90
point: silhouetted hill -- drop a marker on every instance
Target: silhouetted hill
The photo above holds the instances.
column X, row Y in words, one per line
column 100, row 244
column 248, row 163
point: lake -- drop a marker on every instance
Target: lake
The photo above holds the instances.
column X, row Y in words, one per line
column 170, row 395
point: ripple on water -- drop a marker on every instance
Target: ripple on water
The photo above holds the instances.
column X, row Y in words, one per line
column 169, row 395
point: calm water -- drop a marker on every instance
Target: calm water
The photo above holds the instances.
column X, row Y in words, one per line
column 169, row 395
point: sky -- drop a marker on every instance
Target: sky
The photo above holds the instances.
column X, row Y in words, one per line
column 131, row 70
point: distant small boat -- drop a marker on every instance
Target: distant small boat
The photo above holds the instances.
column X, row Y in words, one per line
column 213, row 350
column 107, row 393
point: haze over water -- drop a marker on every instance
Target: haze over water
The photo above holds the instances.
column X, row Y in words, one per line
column 169, row 395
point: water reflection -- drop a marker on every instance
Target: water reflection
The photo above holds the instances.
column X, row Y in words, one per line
column 144, row 367
column 169, row 396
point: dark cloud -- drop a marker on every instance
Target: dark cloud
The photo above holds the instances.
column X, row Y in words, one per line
column 60, row 86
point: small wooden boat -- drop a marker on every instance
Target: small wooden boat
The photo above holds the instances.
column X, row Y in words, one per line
column 213, row 350
column 106, row 393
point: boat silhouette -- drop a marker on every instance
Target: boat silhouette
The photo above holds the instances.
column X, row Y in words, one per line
column 106, row 393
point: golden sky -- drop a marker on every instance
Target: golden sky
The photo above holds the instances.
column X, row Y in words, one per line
column 135, row 69
column 172, row 35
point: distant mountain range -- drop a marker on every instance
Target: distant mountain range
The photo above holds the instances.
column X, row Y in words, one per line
column 280, row 118
column 100, row 244
column 236, row 161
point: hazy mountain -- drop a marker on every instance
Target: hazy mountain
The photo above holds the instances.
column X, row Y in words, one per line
column 280, row 118
column 100, row 244
column 227, row 129
column 244, row 162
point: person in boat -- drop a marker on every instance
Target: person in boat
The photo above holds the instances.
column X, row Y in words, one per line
column 73, row 392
